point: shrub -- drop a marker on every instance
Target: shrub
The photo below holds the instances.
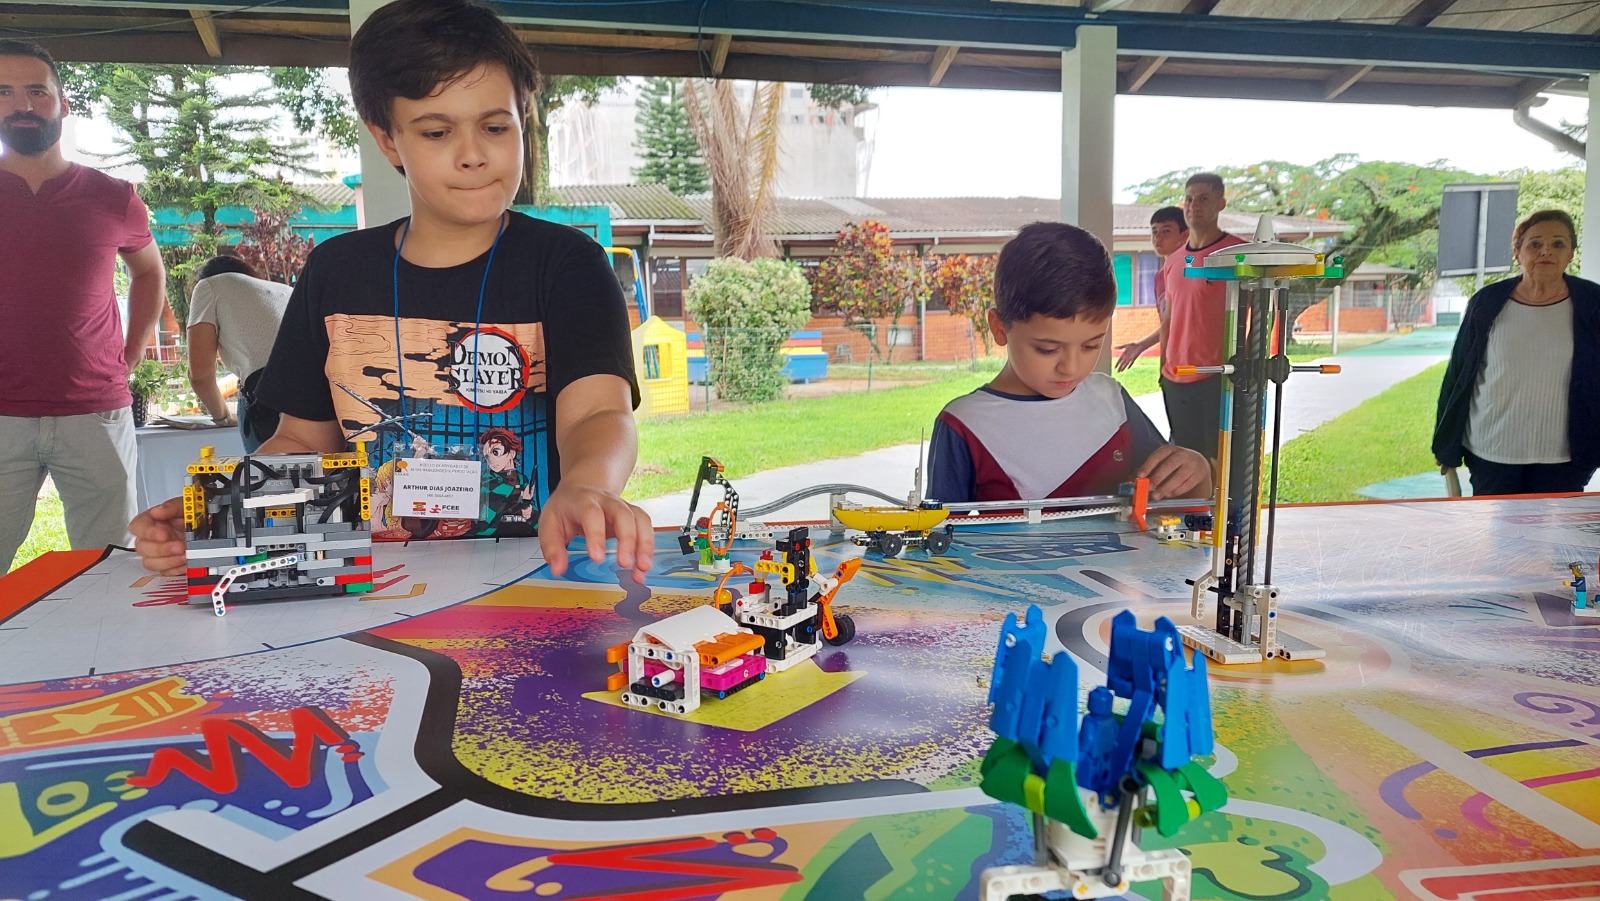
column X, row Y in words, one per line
column 746, row 311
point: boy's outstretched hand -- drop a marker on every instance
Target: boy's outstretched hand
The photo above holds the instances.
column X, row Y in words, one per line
column 158, row 537
column 595, row 514
column 1176, row 471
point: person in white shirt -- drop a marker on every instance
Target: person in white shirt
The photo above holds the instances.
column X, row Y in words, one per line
column 235, row 313
column 1520, row 402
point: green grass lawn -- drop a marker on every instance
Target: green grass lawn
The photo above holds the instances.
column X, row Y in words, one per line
column 916, row 371
column 49, row 532
column 1326, row 464
column 753, row 439
column 1385, row 438
column 804, row 430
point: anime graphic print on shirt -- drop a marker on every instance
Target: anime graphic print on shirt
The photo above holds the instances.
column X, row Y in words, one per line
column 480, row 388
column 486, row 349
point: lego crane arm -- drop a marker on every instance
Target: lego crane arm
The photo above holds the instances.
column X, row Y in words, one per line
column 711, row 473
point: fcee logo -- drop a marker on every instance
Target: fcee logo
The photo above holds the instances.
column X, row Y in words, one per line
column 488, row 370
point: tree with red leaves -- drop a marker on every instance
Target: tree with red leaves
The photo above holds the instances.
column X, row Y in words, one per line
column 967, row 285
column 866, row 280
column 273, row 248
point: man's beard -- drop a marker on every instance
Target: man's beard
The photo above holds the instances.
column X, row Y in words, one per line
column 29, row 141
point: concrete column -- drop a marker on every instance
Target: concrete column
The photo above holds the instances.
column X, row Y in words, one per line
column 383, row 195
column 1590, row 267
column 1088, row 102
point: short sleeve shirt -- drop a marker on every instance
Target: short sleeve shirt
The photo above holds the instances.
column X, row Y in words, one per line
column 553, row 313
column 61, row 344
column 245, row 312
column 1085, row 443
column 1196, row 308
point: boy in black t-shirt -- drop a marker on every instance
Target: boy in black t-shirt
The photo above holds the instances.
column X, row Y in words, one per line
column 464, row 319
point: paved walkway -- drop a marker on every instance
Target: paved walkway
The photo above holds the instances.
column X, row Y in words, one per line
column 1308, row 401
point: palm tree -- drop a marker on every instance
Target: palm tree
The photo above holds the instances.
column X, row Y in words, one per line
column 740, row 148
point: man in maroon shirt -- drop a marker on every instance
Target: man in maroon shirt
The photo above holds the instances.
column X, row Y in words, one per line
column 64, row 360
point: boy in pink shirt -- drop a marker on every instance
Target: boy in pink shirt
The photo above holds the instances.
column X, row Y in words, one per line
column 1195, row 314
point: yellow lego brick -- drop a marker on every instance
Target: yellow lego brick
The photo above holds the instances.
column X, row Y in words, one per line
column 346, row 461
column 779, row 568
column 1247, row 271
column 281, row 513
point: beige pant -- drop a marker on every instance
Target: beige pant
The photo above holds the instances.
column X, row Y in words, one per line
column 92, row 458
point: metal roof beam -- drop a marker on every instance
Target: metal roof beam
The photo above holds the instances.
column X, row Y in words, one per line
column 1471, row 96
column 182, row 48
column 978, row 24
column 974, row 25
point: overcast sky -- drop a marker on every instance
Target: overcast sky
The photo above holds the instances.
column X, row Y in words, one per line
column 946, row 142
column 943, row 142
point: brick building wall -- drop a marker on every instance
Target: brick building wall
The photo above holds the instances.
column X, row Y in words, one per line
column 1131, row 324
column 1365, row 319
column 949, row 335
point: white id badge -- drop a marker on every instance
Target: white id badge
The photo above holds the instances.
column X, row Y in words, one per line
column 429, row 487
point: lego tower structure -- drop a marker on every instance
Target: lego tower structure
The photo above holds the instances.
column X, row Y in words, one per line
column 1256, row 274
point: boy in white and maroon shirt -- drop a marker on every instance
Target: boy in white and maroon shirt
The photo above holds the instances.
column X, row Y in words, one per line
column 1049, row 425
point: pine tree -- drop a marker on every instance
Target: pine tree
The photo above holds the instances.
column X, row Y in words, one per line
column 203, row 143
column 666, row 144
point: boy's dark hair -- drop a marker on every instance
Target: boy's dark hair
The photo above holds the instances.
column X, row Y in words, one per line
column 1209, row 179
column 26, row 48
column 223, row 263
column 411, row 48
column 1054, row 269
column 1170, row 214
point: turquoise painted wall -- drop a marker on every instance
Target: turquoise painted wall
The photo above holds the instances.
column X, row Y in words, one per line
column 171, row 227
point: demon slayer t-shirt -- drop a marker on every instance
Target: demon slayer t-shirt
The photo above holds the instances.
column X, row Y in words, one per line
column 553, row 313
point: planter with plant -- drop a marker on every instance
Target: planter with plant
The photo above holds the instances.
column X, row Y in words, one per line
column 145, row 383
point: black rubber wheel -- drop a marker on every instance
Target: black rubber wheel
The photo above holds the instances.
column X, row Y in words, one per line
column 890, row 544
column 847, row 630
column 938, row 541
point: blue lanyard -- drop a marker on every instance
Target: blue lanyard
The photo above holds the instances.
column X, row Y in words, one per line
column 477, row 329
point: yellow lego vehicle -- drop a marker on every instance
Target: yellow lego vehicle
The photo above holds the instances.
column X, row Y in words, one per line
column 891, row 529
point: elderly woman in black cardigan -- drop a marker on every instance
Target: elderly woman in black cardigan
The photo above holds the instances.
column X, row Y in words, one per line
column 1521, row 396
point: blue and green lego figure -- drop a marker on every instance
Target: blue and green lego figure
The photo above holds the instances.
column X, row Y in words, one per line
column 1042, row 755
column 702, row 540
